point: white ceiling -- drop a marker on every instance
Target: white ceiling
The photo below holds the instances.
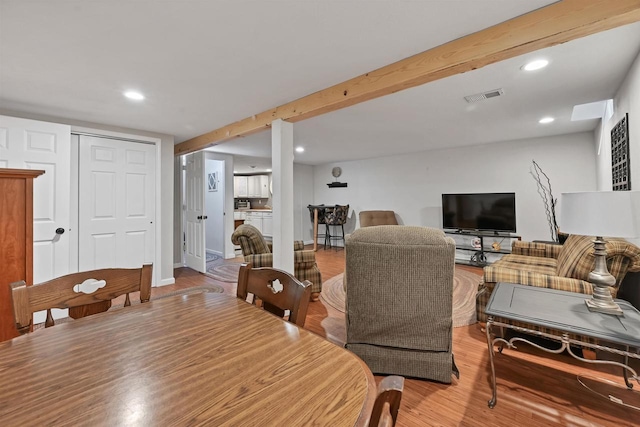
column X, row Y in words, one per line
column 204, row 64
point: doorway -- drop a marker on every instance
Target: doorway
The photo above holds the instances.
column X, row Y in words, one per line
column 207, row 208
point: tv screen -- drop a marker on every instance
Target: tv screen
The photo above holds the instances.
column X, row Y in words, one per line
column 479, row 211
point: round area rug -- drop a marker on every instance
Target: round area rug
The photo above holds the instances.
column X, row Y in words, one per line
column 225, row 272
column 465, row 286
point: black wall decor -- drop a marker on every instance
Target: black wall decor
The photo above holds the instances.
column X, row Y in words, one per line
column 620, row 173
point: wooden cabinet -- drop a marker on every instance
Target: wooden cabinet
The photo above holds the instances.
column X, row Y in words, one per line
column 16, row 239
column 240, row 186
column 263, row 221
column 267, row 224
column 259, row 186
column 254, row 186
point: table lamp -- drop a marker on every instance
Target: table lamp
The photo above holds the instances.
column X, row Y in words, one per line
column 600, row 213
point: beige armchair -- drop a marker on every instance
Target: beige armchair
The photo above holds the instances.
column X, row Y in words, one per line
column 371, row 218
column 257, row 251
column 399, row 286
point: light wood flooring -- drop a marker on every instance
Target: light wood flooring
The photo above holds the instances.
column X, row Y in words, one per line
column 534, row 387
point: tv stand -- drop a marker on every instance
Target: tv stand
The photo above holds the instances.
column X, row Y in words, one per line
column 479, row 257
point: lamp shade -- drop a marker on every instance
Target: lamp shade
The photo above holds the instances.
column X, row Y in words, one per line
column 600, row 213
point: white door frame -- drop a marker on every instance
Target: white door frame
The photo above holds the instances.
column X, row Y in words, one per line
column 77, row 130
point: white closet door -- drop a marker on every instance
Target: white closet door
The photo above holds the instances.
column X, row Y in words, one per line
column 31, row 144
column 117, row 203
column 195, row 254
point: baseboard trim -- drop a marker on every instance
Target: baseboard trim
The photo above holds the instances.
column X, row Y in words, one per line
column 178, row 265
column 165, row 282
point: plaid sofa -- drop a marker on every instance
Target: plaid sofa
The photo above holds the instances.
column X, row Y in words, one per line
column 257, row 251
column 564, row 267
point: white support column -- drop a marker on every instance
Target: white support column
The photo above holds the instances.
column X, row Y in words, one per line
column 282, row 165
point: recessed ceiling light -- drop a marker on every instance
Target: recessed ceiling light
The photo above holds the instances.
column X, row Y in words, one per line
column 299, row 149
column 268, row 170
column 546, row 120
column 536, row 65
column 132, row 94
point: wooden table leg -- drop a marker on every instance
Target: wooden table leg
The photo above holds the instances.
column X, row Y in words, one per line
column 315, row 229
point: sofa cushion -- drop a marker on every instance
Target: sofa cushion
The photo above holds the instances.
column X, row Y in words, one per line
column 502, row 271
column 576, row 259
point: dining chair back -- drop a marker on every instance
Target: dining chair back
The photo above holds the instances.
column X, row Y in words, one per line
column 385, row 408
column 78, row 290
column 277, row 290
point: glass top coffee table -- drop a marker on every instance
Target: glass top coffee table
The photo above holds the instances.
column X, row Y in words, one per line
column 567, row 313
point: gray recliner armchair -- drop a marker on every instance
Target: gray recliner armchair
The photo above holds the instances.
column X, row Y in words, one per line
column 399, row 288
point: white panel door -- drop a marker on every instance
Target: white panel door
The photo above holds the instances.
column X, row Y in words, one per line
column 117, row 202
column 195, row 252
column 30, row 144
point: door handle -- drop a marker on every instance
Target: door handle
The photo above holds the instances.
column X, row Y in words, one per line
column 60, row 230
column 205, row 217
column 202, row 217
column 199, row 217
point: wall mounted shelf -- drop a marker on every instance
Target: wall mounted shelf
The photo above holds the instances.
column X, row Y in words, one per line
column 336, row 184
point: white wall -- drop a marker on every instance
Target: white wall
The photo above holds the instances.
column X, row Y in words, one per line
column 214, row 207
column 627, row 100
column 166, row 181
column 412, row 184
column 302, row 197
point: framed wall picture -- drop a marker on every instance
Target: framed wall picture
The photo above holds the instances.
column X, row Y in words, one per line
column 620, row 165
column 212, row 181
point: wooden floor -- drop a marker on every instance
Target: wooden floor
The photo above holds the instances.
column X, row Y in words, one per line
column 534, row 388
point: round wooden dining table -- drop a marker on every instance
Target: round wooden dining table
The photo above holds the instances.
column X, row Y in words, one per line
column 198, row 359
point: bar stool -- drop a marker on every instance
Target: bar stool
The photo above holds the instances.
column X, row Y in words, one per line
column 321, row 220
column 338, row 216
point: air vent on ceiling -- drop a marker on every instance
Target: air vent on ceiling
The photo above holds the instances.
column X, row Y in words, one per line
column 484, row 95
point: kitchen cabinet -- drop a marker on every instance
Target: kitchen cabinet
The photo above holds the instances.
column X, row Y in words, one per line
column 240, row 186
column 263, row 221
column 238, row 218
column 258, row 186
column 267, row 224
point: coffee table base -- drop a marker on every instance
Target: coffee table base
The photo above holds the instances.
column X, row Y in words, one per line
column 628, row 373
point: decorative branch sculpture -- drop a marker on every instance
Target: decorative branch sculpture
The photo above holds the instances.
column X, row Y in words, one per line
column 547, row 197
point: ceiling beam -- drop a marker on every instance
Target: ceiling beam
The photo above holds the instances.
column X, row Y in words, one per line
column 554, row 24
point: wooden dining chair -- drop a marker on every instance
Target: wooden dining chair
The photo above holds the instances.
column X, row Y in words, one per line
column 385, row 408
column 84, row 293
column 277, row 290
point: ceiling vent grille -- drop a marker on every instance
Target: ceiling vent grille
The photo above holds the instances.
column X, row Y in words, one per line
column 484, row 95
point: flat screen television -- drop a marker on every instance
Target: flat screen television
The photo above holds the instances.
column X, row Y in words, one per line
column 480, row 211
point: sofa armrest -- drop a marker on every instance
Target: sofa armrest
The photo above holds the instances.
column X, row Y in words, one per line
column 493, row 275
column 266, row 260
column 259, row 260
column 538, row 249
column 304, row 257
column 531, row 278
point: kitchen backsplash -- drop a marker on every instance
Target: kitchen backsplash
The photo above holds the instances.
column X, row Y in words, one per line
column 249, row 203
